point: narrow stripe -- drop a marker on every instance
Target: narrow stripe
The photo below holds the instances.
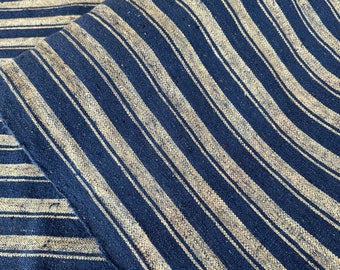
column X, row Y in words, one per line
column 324, row 36
column 109, row 203
column 51, row 255
column 306, row 145
column 48, row 243
column 319, row 198
column 8, row 140
column 92, row 108
column 160, row 135
column 335, row 8
column 19, row 170
column 40, row 4
column 183, row 107
column 17, row 180
column 296, row 46
column 305, row 101
column 35, row 216
column 39, row 22
column 28, row 42
column 53, row 206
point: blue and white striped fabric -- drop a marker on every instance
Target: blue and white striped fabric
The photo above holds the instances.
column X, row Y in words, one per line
column 184, row 135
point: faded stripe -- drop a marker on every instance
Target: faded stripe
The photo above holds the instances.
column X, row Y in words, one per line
column 124, row 151
column 48, row 243
column 19, row 170
column 56, row 206
column 277, row 215
column 88, row 172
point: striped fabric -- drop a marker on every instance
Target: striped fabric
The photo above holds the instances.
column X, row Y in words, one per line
column 38, row 229
column 23, row 23
column 185, row 134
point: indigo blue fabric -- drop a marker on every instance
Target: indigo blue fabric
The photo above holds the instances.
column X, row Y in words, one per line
column 171, row 135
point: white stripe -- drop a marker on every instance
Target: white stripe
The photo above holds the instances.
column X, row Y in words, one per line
column 40, row 4
column 323, row 35
column 168, row 145
column 280, row 71
column 124, row 151
column 277, row 117
column 287, row 33
column 48, row 243
column 18, row 170
column 8, row 140
column 249, row 135
column 173, row 93
column 36, row 23
column 27, row 205
column 85, row 172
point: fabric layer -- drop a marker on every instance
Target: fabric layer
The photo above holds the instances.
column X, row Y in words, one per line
column 191, row 134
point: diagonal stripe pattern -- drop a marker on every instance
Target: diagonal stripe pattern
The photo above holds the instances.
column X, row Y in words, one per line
column 35, row 220
column 186, row 134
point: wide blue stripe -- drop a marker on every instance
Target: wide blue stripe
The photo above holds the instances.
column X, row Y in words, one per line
column 40, row 190
column 45, row 226
column 246, row 108
column 327, row 17
column 114, row 246
column 44, row 12
column 13, row 157
column 41, row 32
column 300, row 211
column 289, row 60
column 262, row 71
column 104, row 163
column 162, row 110
column 308, row 40
column 314, row 32
column 163, row 113
column 52, row 263
column 148, row 156
column 10, row 53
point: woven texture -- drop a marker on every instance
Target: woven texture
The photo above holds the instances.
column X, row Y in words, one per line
column 170, row 134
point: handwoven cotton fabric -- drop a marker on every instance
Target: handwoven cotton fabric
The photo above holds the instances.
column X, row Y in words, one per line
column 147, row 134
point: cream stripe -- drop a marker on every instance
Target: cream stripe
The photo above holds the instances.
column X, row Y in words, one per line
column 49, row 255
column 163, row 220
column 287, row 33
column 301, row 236
column 87, row 170
column 323, row 34
column 18, row 170
column 48, row 243
column 4, row 61
column 4, row 148
column 177, row 157
column 116, row 141
column 316, row 196
column 277, row 67
column 36, row 23
column 247, row 77
column 23, row 180
column 56, row 206
column 334, row 5
column 54, row 216
column 8, row 140
column 48, row 4
column 28, row 41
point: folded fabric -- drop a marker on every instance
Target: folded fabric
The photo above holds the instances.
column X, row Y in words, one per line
column 170, row 135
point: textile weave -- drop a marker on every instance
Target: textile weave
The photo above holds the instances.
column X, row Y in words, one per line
column 148, row 134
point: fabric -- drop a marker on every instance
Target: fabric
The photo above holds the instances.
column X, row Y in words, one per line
column 170, row 134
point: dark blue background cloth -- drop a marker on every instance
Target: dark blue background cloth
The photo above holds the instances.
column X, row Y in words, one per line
column 181, row 137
